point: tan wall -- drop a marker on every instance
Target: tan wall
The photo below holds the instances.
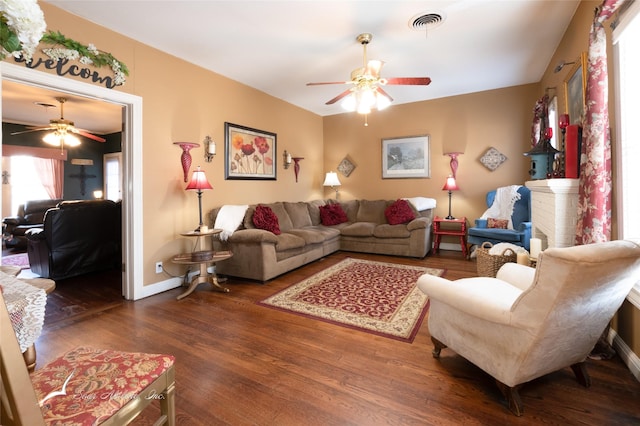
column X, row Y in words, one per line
column 183, row 102
column 470, row 124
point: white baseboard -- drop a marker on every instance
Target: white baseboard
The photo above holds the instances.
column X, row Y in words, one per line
column 170, row 284
column 161, row 286
column 628, row 356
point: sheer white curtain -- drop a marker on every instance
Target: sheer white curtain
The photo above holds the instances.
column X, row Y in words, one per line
column 51, row 174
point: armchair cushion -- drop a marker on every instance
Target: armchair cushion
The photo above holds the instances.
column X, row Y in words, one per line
column 497, row 223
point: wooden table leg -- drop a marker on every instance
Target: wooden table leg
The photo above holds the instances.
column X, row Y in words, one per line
column 30, row 357
column 204, row 277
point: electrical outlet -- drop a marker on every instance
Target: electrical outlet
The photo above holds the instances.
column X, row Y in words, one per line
column 158, row 267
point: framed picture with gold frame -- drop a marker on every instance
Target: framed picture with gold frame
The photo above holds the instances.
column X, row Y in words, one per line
column 575, row 88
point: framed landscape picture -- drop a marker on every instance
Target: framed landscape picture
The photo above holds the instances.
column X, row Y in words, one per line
column 575, row 87
column 249, row 153
column 405, row 157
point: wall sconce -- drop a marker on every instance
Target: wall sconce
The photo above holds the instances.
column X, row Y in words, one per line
column 97, row 194
column 561, row 65
column 209, row 149
column 453, row 163
column 286, row 159
column 185, row 158
column 296, row 166
column 331, row 179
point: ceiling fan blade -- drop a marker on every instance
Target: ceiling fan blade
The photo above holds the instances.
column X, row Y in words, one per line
column 409, row 81
column 86, row 134
column 337, row 98
column 33, row 129
column 383, row 93
column 328, row 82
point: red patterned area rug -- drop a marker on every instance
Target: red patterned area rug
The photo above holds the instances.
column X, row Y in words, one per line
column 376, row 297
column 21, row 260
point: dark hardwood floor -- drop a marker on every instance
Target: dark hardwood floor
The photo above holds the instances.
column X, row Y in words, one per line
column 238, row 363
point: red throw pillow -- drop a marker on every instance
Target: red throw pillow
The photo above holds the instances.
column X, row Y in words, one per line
column 332, row 214
column 265, row 218
column 497, row 223
column 399, row 212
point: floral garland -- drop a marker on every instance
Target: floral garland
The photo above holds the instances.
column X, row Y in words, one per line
column 87, row 55
column 22, row 28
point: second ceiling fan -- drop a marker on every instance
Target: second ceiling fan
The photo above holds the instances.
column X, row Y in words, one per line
column 62, row 127
column 366, row 91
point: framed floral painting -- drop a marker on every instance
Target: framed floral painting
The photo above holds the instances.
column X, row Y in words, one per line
column 249, row 153
column 406, row 157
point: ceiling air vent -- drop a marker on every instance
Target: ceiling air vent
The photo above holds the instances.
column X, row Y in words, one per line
column 425, row 21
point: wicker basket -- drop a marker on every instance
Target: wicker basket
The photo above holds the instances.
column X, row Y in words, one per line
column 488, row 264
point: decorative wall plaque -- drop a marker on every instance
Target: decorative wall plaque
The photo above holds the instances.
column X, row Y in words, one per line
column 346, row 167
column 492, row 159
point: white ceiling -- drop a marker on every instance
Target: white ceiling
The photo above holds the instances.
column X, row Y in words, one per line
column 279, row 46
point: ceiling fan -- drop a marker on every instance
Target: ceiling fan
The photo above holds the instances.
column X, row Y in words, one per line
column 62, row 127
column 366, row 91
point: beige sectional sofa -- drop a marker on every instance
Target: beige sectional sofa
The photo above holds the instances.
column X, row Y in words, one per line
column 262, row 255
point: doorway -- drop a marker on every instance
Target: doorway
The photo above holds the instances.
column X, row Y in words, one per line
column 132, row 277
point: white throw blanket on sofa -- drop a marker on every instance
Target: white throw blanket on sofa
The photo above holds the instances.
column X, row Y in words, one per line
column 422, row 203
column 228, row 219
column 502, row 207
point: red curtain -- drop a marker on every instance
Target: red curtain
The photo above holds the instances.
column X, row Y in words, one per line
column 594, row 199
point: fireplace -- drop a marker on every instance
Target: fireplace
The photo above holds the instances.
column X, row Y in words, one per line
column 554, row 204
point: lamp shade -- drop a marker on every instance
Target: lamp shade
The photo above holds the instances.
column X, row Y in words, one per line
column 331, row 179
column 450, row 184
column 198, row 181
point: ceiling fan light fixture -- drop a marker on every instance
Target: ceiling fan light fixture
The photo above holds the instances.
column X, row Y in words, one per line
column 349, row 102
column 59, row 139
column 382, row 102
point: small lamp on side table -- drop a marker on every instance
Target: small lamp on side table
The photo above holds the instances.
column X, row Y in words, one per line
column 450, row 185
column 199, row 183
column 331, row 179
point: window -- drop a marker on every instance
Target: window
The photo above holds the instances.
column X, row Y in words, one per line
column 25, row 183
column 113, row 176
column 627, row 67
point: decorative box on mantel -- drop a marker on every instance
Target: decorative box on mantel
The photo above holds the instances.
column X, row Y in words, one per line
column 554, row 211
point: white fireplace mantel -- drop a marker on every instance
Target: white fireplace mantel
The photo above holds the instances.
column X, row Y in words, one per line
column 554, row 211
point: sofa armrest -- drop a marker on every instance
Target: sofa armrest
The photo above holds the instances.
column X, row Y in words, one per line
column 481, row 223
column 487, row 298
column 256, row 236
column 419, row 223
column 13, row 220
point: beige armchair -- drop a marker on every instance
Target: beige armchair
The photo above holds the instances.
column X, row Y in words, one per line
column 528, row 322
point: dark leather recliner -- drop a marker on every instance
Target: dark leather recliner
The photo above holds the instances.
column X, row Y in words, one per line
column 77, row 237
column 30, row 215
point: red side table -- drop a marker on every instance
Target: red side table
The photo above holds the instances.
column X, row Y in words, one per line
column 453, row 227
